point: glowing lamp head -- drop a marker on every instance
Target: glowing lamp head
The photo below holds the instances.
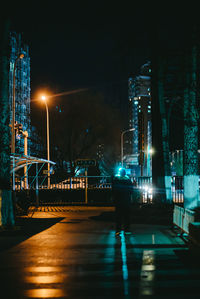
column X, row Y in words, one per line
column 43, row 98
column 121, row 172
column 151, row 151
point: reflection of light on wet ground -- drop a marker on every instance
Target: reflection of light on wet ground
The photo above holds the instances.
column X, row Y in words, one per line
column 124, row 264
column 44, row 293
column 43, row 269
column 147, row 275
column 45, row 279
column 153, row 239
column 38, row 276
column 110, row 250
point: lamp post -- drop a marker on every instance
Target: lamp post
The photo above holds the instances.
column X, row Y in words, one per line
column 48, row 151
column 122, row 141
column 20, row 56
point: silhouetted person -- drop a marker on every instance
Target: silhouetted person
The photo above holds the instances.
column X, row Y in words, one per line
column 121, row 190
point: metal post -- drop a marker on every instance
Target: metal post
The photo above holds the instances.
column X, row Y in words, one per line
column 122, row 154
column 48, row 150
column 13, row 173
column 86, row 187
column 36, row 186
column 25, row 134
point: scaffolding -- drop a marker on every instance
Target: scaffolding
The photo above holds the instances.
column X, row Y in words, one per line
column 22, row 86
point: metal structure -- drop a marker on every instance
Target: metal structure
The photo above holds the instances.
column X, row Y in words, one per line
column 19, row 89
column 20, row 161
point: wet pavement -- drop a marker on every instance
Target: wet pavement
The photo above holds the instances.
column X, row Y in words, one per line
column 65, row 253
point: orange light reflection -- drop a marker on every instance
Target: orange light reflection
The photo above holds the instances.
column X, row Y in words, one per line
column 44, row 293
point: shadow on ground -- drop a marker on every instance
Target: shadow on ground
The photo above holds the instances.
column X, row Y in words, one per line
column 188, row 258
column 24, row 229
column 143, row 214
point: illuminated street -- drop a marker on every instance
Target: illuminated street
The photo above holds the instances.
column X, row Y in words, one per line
column 66, row 254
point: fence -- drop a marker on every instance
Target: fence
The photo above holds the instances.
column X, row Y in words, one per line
column 182, row 217
column 144, row 185
column 93, row 182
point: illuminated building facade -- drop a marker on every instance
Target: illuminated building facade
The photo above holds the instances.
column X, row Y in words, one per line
column 139, row 141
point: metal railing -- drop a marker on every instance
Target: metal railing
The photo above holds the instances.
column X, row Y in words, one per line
column 182, row 217
column 93, row 182
column 143, row 184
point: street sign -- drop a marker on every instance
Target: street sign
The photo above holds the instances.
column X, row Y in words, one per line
column 45, row 171
column 85, row 162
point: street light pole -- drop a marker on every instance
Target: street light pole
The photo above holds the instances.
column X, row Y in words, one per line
column 20, row 56
column 122, row 142
column 48, row 149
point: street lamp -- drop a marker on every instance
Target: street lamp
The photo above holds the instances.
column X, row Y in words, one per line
column 122, row 135
column 44, row 99
column 20, row 56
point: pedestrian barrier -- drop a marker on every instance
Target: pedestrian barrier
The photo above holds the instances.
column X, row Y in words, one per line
column 182, row 218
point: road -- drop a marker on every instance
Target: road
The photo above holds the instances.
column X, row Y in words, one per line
column 75, row 256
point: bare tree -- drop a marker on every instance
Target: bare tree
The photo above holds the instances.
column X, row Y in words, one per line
column 84, row 123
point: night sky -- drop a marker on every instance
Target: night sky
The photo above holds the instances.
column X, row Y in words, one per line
column 80, row 45
column 94, row 44
column 89, row 44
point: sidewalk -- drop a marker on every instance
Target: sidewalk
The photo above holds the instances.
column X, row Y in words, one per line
column 66, row 253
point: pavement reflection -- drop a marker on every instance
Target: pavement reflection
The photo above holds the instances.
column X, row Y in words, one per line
column 44, row 293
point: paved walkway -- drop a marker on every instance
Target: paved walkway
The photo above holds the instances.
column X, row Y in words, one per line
column 74, row 256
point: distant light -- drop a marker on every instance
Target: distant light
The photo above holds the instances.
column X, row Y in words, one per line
column 21, row 56
column 151, row 151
